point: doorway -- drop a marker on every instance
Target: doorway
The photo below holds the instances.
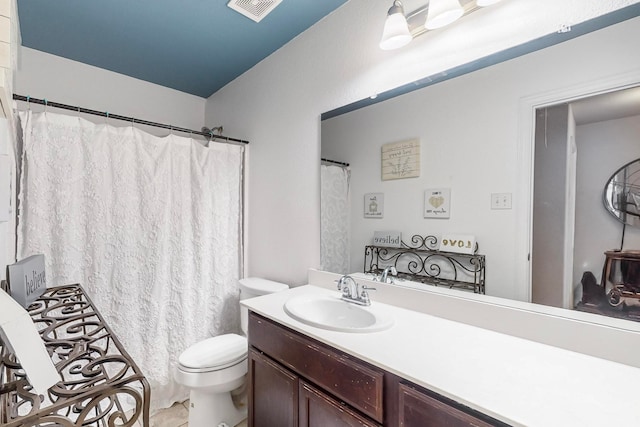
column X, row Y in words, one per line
column 577, row 146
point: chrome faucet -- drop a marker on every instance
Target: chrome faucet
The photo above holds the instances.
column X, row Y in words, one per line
column 385, row 274
column 348, row 286
column 351, row 291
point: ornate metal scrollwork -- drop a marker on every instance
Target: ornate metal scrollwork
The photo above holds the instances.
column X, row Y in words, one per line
column 100, row 386
column 420, row 261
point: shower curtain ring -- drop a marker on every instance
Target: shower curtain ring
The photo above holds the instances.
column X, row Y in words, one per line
column 28, row 103
column 46, row 104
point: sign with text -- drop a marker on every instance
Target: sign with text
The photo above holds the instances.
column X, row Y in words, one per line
column 437, row 202
column 374, row 205
column 401, row 160
column 391, row 239
column 458, row 243
column 27, row 279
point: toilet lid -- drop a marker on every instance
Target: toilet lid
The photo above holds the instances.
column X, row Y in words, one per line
column 216, row 351
column 259, row 286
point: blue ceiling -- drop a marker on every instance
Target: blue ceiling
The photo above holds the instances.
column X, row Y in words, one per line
column 194, row 46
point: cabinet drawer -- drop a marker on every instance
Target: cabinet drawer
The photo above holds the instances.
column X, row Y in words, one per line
column 347, row 378
column 418, row 409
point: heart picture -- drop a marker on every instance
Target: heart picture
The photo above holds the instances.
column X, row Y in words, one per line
column 436, row 201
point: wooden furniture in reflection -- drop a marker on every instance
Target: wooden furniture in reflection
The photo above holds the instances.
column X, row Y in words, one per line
column 621, row 278
column 618, row 294
column 101, row 385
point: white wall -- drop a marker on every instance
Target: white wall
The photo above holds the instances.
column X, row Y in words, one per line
column 277, row 106
column 603, row 148
column 41, row 75
column 57, row 79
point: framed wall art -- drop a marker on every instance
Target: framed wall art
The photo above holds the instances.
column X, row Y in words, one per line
column 401, row 160
column 374, row 205
column 437, row 202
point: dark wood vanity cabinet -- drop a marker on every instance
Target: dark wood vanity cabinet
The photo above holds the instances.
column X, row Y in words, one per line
column 278, row 397
column 297, row 381
column 317, row 409
column 273, row 397
column 418, row 408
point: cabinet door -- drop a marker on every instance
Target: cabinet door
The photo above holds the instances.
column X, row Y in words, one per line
column 417, row 409
column 319, row 410
column 273, row 393
column 349, row 379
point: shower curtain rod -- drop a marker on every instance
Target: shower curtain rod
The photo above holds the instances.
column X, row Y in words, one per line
column 335, row 162
column 106, row 114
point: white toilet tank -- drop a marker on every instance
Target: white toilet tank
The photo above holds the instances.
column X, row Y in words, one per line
column 254, row 287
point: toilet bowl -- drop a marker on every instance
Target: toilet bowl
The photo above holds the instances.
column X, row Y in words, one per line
column 214, row 368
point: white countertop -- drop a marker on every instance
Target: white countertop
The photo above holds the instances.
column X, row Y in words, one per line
column 520, row 382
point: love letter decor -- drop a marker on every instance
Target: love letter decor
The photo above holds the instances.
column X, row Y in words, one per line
column 458, row 243
column 437, row 202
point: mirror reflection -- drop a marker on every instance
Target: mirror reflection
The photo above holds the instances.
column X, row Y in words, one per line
column 622, row 194
column 475, row 141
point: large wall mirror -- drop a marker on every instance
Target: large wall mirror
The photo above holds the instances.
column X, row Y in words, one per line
column 482, row 134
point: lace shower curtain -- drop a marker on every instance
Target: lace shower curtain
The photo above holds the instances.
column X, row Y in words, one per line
column 151, row 227
column 334, row 219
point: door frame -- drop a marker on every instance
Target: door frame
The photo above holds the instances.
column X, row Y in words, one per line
column 525, row 155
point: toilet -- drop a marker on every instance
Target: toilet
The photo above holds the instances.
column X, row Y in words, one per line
column 214, row 368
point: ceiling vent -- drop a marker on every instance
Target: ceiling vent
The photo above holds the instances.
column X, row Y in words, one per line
column 254, row 9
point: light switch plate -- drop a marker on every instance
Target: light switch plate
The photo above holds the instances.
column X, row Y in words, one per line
column 500, row 200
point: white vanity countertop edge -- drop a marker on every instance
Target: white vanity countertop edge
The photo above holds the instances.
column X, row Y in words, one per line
column 520, row 382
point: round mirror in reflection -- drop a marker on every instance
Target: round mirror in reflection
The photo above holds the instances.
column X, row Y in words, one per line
column 622, row 194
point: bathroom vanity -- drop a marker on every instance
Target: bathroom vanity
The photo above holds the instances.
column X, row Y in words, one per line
column 423, row 370
column 299, row 381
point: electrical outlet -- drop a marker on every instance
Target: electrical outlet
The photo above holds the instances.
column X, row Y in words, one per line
column 500, row 200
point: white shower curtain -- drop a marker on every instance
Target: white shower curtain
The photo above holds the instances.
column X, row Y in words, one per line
column 149, row 226
column 334, row 219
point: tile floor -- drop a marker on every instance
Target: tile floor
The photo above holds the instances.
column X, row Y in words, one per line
column 176, row 416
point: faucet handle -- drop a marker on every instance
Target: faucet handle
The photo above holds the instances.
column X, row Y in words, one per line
column 365, row 288
column 364, row 295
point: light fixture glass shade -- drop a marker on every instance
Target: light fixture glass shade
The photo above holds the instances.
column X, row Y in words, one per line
column 396, row 30
column 442, row 13
column 483, row 3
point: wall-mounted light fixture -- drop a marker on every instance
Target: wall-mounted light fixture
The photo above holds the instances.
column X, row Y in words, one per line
column 400, row 29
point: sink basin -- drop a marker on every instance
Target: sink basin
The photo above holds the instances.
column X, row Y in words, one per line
column 334, row 314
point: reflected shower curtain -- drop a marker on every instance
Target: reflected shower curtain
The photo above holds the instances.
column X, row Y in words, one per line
column 149, row 226
column 334, row 219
